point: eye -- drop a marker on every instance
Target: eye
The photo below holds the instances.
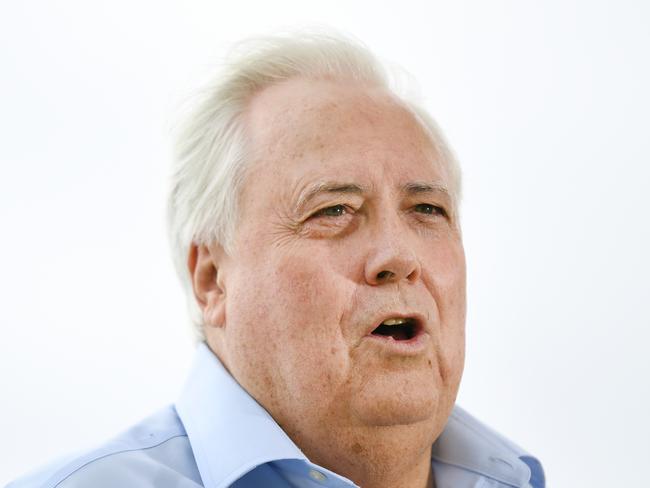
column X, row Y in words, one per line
column 430, row 209
column 333, row 211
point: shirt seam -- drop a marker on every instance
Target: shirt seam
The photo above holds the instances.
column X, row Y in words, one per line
column 57, row 483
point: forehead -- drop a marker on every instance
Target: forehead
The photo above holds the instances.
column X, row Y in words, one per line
column 304, row 130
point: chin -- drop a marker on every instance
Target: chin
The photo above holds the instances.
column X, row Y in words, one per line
column 398, row 400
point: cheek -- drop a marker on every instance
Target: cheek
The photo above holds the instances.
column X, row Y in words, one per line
column 285, row 332
column 446, row 281
column 307, row 300
column 445, row 277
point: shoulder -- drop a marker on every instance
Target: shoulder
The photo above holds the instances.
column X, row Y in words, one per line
column 468, row 443
column 154, row 452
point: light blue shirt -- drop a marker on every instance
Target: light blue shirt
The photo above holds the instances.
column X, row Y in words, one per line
column 217, row 435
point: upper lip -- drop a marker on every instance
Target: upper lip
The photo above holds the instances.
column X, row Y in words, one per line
column 418, row 318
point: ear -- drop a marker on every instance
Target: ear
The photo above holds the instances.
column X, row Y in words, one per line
column 207, row 281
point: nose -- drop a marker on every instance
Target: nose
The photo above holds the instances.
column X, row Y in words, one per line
column 391, row 258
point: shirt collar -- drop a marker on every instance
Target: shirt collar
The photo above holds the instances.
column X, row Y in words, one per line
column 230, row 433
column 468, row 444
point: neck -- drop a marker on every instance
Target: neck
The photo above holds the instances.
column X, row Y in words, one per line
column 395, row 456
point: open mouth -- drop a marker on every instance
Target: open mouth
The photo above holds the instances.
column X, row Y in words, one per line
column 400, row 329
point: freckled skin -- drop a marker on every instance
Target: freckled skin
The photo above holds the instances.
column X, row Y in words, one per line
column 299, row 291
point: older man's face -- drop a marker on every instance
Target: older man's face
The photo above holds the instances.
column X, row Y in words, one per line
column 346, row 223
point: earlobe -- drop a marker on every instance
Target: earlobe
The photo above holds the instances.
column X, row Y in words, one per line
column 204, row 265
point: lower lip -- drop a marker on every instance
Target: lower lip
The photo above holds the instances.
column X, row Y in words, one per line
column 409, row 347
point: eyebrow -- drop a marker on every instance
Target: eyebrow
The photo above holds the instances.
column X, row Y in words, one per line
column 331, row 187
column 418, row 187
column 341, row 188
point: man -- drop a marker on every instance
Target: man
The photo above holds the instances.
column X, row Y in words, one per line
column 314, row 222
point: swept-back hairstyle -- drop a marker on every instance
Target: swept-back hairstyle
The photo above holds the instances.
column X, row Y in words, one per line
column 210, row 156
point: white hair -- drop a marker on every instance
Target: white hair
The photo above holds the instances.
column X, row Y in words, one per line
column 211, row 153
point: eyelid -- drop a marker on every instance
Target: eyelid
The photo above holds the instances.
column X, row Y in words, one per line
column 441, row 209
column 349, row 208
column 438, row 209
column 319, row 213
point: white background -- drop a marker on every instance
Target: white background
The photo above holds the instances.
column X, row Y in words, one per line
column 546, row 104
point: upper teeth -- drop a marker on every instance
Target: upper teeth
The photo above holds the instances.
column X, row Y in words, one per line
column 394, row 321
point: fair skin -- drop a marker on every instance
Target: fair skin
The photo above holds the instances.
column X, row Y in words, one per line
column 346, row 219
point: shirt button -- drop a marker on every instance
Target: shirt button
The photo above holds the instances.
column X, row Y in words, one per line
column 317, row 475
